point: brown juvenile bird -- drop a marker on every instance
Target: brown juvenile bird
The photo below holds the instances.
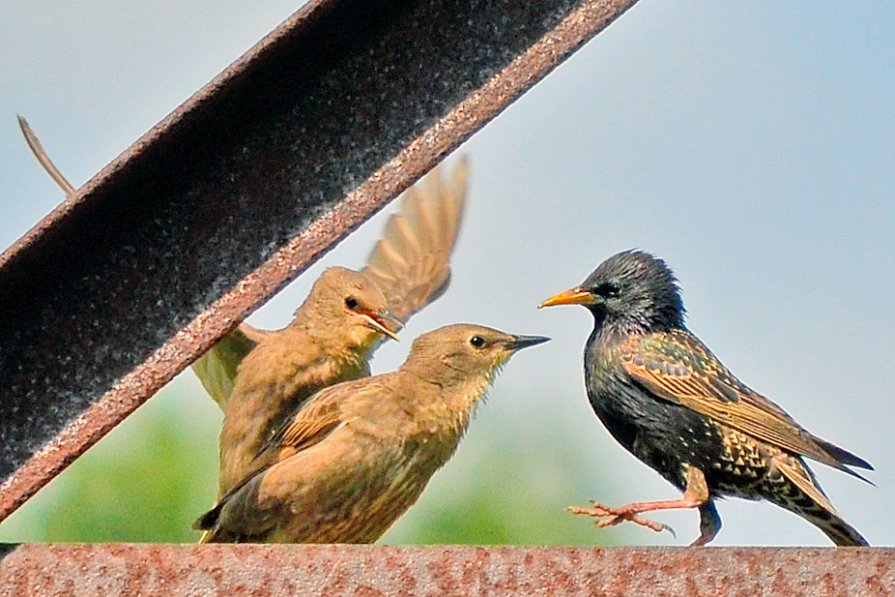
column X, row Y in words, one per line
column 345, row 317
column 330, row 340
column 669, row 401
column 410, row 266
column 358, row 454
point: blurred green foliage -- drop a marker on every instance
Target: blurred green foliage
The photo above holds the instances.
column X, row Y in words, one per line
column 157, row 472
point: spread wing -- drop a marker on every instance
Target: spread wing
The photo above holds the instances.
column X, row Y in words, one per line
column 677, row 367
column 411, row 263
column 216, row 369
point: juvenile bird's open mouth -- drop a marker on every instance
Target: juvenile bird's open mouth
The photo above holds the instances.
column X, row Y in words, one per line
column 382, row 323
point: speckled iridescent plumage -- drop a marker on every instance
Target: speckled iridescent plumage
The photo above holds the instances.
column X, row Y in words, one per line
column 668, row 400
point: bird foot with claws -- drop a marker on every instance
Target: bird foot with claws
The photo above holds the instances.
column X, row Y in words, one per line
column 614, row 516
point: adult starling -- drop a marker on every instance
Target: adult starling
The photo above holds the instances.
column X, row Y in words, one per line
column 669, row 401
column 357, row 455
column 345, row 317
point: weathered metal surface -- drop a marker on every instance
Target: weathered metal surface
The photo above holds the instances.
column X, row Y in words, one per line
column 237, row 192
column 443, row 571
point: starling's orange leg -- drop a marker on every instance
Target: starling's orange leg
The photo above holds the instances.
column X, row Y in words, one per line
column 616, row 515
column 696, row 495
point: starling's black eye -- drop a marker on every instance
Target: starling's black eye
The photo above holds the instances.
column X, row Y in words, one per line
column 477, row 341
column 351, row 303
column 607, row 290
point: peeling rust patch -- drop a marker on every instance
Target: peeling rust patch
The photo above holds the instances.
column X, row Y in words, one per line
column 237, row 192
column 444, row 571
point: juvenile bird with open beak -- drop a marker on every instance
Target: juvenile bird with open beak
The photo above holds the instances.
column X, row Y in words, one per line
column 330, row 340
column 669, row 401
column 410, row 267
column 357, row 455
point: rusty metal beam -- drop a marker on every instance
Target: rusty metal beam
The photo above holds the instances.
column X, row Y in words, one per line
column 237, row 192
column 444, row 571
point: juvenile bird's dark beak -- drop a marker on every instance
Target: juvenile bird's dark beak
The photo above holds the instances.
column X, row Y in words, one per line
column 574, row 296
column 383, row 322
column 520, row 342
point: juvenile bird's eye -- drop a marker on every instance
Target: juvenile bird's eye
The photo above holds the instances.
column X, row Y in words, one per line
column 477, row 341
column 351, row 303
column 607, row 290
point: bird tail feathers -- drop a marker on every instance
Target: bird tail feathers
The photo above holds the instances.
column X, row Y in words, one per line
column 809, row 501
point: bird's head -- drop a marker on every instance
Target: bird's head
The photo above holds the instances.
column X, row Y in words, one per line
column 631, row 289
column 465, row 355
column 349, row 306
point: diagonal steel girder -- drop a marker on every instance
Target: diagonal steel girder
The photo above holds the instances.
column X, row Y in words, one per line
column 238, row 191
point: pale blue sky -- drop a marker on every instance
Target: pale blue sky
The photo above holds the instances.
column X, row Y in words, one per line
column 749, row 144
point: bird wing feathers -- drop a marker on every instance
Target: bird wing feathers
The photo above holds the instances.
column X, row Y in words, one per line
column 677, row 367
column 798, row 474
column 325, row 411
column 216, row 369
column 309, row 425
column 411, row 263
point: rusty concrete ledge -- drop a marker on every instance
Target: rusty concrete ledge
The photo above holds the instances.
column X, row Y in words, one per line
column 238, row 191
column 443, row 571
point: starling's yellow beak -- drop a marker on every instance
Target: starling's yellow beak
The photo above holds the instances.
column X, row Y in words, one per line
column 383, row 322
column 573, row 296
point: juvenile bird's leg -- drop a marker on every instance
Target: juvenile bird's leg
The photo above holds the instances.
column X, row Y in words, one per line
column 696, row 495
